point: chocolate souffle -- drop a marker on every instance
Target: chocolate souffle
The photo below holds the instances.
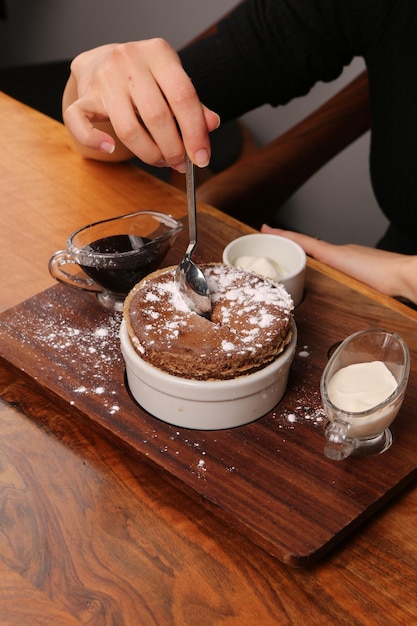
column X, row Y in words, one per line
column 250, row 326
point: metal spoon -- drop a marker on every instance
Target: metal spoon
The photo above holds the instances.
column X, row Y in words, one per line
column 189, row 278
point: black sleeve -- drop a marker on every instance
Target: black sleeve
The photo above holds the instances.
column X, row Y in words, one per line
column 270, row 51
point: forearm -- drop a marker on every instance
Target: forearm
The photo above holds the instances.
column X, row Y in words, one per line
column 407, row 272
column 388, row 272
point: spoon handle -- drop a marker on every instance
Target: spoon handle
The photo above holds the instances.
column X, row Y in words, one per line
column 192, row 212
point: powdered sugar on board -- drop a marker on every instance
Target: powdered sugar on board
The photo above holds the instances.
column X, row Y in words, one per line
column 90, row 349
column 308, row 409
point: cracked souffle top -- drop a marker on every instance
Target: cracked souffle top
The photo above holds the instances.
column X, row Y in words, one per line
column 250, row 326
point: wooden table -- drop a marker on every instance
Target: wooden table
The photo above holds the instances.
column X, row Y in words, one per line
column 90, row 534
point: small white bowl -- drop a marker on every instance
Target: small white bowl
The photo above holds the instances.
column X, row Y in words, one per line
column 289, row 256
column 206, row 405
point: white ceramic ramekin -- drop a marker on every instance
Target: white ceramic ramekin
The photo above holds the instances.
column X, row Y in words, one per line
column 285, row 252
column 206, row 405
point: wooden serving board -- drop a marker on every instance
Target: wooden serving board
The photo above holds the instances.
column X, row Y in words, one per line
column 269, row 480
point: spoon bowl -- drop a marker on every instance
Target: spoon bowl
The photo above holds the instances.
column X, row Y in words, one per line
column 193, row 286
column 190, row 280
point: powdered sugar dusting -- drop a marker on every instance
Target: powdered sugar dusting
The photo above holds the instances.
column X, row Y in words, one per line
column 228, row 346
column 307, row 411
column 222, row 283
column 250, row 322
column 82, row 356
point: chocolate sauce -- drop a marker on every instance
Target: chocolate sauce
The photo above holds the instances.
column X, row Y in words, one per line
column 120, row 271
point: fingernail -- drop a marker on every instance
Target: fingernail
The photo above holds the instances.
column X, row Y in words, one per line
column 201, row 158
column 107, row 147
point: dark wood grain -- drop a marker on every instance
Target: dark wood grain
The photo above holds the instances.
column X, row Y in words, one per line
column 269, row 479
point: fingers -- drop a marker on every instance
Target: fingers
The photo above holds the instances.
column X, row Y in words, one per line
column 312, row 246
column 79, row 121
column 171, row 111
column 153, row 108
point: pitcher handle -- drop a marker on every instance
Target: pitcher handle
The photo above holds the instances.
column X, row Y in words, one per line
column 339, row 445
column 56, row 266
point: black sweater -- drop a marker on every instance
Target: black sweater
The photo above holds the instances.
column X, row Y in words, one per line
column 270, row 51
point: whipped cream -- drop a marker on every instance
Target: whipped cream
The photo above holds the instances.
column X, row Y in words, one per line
column 262, row 265
column 361, row 386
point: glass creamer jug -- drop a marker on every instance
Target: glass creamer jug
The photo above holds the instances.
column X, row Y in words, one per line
column 364, row 432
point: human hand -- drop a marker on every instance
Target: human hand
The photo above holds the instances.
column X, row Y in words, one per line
column 388, row 272
column 142, row 89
